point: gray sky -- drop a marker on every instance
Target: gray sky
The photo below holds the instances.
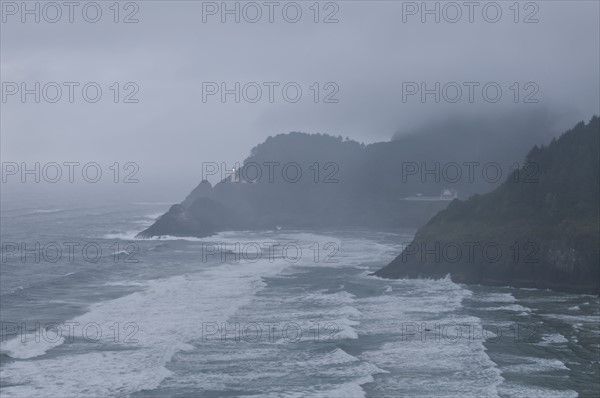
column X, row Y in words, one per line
column 368, row 55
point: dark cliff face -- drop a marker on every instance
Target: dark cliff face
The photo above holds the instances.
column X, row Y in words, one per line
column 203, row 190
column 539, row 229
column 204, row 217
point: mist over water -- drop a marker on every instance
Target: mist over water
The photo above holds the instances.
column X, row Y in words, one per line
column 247, row 199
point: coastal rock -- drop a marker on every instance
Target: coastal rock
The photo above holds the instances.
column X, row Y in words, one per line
column 537, row 232
column 200, row 219
column 203, row 190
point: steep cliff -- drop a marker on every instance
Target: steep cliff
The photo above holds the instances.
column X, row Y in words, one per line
column 540, row 228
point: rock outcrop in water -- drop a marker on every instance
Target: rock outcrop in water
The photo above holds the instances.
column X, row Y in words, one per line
column 539, row 229
column 197, row 221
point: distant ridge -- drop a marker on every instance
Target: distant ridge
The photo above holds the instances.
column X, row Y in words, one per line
column 346, row 184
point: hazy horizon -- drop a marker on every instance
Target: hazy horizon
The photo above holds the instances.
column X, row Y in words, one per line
column 170, row 54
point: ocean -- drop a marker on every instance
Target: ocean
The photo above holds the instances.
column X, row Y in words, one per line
column 88, row 310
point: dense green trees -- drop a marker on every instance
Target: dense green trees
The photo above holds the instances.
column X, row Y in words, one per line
column 550, row 205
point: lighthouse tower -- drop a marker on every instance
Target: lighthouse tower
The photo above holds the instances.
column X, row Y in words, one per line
column 234, row 176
